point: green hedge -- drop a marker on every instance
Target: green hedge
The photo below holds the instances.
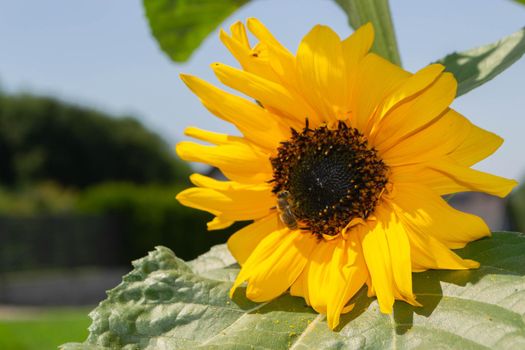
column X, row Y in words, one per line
column 45, row 139
column 132, row 218
column 149, row 216
column 39, row 199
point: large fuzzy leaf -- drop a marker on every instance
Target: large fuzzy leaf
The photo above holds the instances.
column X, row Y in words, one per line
column 475, row 67
column 377, row 12
column 165, row 303
column 181, row 25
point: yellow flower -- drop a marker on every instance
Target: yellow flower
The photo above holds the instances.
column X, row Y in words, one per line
column 342, row 163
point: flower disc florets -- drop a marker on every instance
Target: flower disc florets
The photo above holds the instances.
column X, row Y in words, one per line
column 332, row 176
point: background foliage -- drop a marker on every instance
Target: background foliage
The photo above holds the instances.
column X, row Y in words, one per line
column 150, row 216
column 61, row 163
column 104, row 225
column 45, row 139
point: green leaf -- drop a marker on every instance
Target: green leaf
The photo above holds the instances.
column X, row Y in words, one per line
column 475, row 67
column 181, row 25
column 360, row 12
column 165, row 304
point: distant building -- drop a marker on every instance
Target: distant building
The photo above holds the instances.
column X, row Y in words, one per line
column 492, row 209
column 215, row 173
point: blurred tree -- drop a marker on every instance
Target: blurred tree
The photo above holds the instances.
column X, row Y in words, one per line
column 43, row 138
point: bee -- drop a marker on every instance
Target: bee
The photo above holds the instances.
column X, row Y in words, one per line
column 284, row 206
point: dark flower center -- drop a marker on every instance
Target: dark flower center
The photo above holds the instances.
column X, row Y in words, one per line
column 329, row 177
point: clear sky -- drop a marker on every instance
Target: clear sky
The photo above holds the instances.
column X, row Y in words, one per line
column 100, row 53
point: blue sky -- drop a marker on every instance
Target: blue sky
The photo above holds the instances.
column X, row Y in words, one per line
column 100, row 53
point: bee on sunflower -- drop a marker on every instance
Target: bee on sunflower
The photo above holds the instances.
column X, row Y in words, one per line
column 342, row 164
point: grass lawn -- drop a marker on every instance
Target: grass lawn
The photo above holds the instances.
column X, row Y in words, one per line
column 42, row 329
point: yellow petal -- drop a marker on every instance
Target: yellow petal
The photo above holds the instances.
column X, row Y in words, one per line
column 239, row 33
column 266, row 247
column 450, row 177
column 256, row 123
column 272, row 95
column 410, row 87
column 263, row 34
column 478, row 145
column 379, row 263
column 376, row 79
column 238, row 161
column 299, row 287
column 348, row 276
column 229, row 201
column 423, row 210
column 355, row 48
column 279, row 58
column 357, row 45
column 451, row 134
column 411, row 116
column 322, row 72
column 242, row 243
column 439, row 138
column 400, row 254
column 200, row 180
column 335, row 272
column 275, row 264
column 210, row 136
column 319, row 266
column 399, row 248
column 387, row 254
column 219, row 223
column 250, row 59
column 428, row 252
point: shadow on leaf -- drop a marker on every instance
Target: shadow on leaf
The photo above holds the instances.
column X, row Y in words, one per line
column 500, row 255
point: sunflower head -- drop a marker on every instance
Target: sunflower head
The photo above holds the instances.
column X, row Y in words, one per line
column 330, row 175
column 341, row 163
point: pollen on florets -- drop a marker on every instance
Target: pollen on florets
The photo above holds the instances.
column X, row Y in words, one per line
column 332, row 176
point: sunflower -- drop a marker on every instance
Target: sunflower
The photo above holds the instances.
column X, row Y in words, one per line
column 342, row 165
